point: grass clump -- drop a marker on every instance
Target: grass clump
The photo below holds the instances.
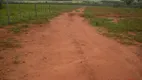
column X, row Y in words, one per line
column 16, row 29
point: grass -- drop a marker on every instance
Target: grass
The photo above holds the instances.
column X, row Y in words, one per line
column 130, row 21
column 26, row 12
column 124, row 12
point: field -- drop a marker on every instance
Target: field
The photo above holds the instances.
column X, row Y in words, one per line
column 123, row 24
column 68, row 47
column 28, row 12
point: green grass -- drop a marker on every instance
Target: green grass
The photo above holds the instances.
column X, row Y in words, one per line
column 130, row 21
column 26, row 12
column 124, row 12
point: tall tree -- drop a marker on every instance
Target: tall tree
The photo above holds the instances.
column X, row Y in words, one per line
column 128, row 2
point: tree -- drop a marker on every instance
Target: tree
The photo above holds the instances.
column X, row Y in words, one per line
column 128, row 2
column 139, row 0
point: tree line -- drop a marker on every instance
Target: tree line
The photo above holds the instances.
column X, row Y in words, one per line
column 127, row 2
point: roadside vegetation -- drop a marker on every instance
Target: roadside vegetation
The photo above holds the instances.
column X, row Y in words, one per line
column 123, row 24
column 27, row 13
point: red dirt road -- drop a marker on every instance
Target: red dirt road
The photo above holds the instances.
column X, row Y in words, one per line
column 68, row 48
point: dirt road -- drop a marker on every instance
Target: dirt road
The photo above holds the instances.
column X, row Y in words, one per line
column 68, row 48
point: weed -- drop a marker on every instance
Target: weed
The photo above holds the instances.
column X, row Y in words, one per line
column 16, row 29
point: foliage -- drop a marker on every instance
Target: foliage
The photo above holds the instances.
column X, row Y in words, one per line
column 128, row 2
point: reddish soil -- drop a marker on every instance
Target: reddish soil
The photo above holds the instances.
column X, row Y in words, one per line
column 68, row 48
